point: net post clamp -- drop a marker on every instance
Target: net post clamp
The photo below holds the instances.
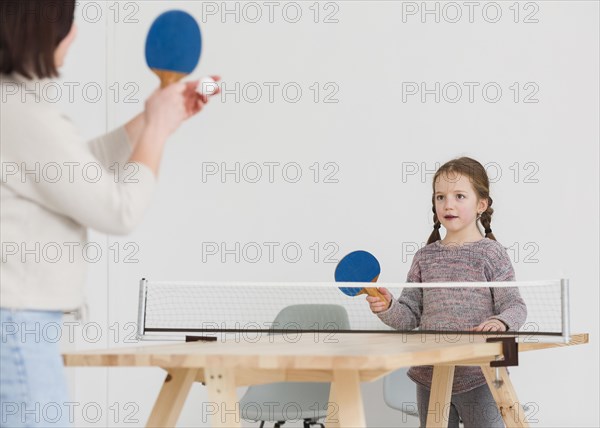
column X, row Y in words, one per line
column 200, row 339
column 510, row 351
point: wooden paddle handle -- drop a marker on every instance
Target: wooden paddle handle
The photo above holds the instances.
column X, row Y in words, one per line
column 374, row 293
column 168, row 77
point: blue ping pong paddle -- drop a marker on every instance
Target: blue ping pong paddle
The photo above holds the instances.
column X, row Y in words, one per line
column 358, row 266
column 173, row 46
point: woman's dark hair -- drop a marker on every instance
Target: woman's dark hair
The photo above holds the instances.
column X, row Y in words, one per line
column 30, row 31
column 478, row 177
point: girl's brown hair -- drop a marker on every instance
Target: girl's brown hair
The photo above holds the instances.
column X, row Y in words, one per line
column 30, row 31
column 477, row 175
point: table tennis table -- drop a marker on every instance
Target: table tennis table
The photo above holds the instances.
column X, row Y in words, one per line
column 352, row 358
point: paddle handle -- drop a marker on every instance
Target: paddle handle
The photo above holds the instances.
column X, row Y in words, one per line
column 168, row 77
column 373, row 292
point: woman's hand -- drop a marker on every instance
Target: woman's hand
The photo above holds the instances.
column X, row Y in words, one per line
column 490, row 325
column 166, row 109
column 375, row 302
column 194, row 100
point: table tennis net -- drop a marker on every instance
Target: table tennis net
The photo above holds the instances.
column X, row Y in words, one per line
column 174, row 309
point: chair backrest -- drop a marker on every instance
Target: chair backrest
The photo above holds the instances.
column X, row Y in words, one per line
column 317, row 317
column 297, row 400
column 399, row 392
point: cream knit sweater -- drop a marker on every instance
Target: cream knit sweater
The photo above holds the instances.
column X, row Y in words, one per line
column 53, row 187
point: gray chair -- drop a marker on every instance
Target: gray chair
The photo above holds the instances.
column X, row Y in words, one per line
column 400, row 393
column 283, row 401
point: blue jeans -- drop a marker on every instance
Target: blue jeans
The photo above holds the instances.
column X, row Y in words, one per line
column 33, row 386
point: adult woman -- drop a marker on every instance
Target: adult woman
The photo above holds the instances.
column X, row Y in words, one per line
column 41, row 208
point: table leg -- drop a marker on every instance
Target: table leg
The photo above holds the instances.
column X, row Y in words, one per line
column 171, row 398
column 439, row 398
column 506, row 398
column 333, row 415
column 345, row 402
column 224, row 411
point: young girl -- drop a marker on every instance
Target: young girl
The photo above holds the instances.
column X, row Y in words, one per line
column 460, row 199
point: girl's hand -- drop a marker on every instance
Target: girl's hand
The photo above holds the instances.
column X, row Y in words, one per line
column 376, row 304
column 490, row 325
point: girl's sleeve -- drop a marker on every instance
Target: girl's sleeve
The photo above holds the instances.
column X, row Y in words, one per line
column 405, row 313
column 509, row 306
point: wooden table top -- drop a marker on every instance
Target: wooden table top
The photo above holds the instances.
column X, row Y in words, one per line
column 354, row 351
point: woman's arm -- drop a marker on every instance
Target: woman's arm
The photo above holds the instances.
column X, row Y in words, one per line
column 194, row 103
column 134, row 129
column 165, row 110
column 92, row 195
column 149, row 148
column 86, row 192
column 119, row 145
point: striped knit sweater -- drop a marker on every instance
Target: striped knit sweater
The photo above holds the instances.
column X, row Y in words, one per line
column 457, row 308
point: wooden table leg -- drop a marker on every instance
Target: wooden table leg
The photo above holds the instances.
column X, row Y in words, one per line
column 439, row 399
column 333, row 414
column 171, row 398
column 225, row 408
column 506, row 398
column 345, row 402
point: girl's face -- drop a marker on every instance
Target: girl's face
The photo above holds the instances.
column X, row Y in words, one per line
column 456, row 204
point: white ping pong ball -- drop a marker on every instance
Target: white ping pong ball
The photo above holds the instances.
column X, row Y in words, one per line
column 208, row 86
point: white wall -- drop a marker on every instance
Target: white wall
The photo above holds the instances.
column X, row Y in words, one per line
column 368, row 138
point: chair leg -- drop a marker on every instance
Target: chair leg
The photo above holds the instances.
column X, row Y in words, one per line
column 262, row 424
column 278, row 424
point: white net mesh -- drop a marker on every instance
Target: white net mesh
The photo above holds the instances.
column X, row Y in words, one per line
column 209, row 307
